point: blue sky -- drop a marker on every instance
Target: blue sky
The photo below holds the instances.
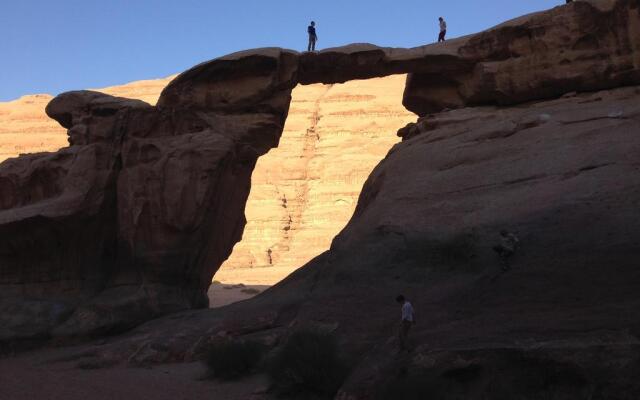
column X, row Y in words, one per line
column 51, row 46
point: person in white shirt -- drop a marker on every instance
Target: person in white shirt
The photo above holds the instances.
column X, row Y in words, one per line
column 407, row 319
column 443, row 30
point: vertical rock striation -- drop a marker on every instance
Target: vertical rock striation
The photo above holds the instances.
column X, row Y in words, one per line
column 303, row 192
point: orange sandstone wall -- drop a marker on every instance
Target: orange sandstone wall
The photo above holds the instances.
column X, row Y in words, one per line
column 303, row 192
column 25, row 128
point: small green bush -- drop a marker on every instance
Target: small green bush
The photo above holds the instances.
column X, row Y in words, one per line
column 308, row 363
column 231, row 360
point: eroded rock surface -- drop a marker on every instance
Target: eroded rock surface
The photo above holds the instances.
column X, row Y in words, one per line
column 26, row 128
column 550, row 171
column 334, row 135
column 561, row 323
column 588, row 45
column 152, row 198
column 304, row 192
column 124, row 205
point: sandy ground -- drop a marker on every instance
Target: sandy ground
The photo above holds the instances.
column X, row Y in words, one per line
column 232, row 285
column 41, row 376
column 50, row 374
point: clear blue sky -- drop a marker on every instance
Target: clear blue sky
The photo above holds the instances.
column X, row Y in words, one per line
column 51, row 46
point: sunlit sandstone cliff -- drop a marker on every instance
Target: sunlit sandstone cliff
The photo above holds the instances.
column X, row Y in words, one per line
column 303, row 192
column 25, row 128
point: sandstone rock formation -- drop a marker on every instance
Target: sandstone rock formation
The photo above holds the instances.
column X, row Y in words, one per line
column 326, row 123
column 549, row 171
column 162, row 205
column 126, row 202
column 561, row 324
column 585, row 46
column 26, row 128
column 304, row 191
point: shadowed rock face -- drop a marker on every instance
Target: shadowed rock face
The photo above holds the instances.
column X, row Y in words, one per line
column 304, row 191
column 139, row 212
column 562, row 323
column 585, row 46
column 148, row 201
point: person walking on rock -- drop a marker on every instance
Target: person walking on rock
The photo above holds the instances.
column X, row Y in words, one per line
column 443, row 30
column 313, row 36
column 407, row 319
column 506, row 249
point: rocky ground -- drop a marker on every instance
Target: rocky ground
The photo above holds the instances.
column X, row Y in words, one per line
column 52, row 375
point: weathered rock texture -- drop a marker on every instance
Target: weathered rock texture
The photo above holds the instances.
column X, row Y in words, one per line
column 125, row 204
column 26, row 128
column 549, row 171
column 162, row 203
column 303, row 192
column 587, row 46
column 562, row 323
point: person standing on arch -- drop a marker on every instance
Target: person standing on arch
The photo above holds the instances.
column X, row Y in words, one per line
column 313, row 36
column 443, row 30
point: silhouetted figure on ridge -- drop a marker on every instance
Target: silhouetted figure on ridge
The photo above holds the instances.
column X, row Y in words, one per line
column 443, row 30
column 313, row 36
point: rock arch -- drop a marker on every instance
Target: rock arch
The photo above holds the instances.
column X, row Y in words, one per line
column 132, row 220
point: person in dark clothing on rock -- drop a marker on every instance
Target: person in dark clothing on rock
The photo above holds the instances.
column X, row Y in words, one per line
column 443, row 30
column 509, row 243
column 313, row 36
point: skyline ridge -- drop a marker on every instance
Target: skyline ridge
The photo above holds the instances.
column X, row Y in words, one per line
column 54, row 48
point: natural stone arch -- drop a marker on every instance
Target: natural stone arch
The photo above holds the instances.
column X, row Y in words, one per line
column 334, row 136
column 148, row 201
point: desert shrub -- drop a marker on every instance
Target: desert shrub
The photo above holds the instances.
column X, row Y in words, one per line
column 308, row 363
column 230, row 359
column 251, row 291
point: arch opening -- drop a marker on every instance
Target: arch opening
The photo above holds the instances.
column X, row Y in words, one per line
column 305, row 191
